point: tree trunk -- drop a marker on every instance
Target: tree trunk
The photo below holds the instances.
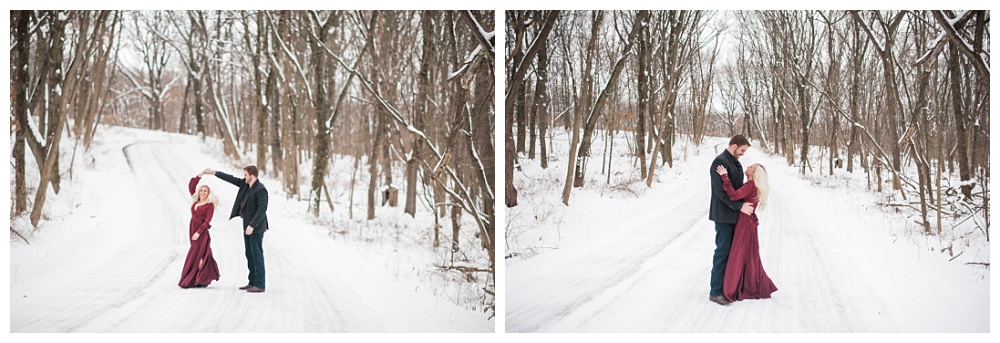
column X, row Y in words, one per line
column 596, row 110
column 573, row 160
column 520, row 107
column 456, row 225
column 510, row 155
column 375, row 158
column 373, row 167
column 833, row 82
column 857, row 50
column 261, row 134
column 517, row 73
column 484, row 153
column 940, row 171
column 199, row 102
column 318, row 60
column 262, row 88
column 19, row 55
column 643, row 105
column 275, row 103
column 541, row 114
column 961, row 120
column 421, row 111
column 804, row 115
column 48, row 166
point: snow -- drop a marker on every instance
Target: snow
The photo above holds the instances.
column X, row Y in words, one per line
column 627, row 258
column 108, row 254
column 33, row 128
column 468, row 61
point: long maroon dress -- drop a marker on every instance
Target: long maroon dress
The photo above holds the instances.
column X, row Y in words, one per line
column 745, row 277
column 199, row 266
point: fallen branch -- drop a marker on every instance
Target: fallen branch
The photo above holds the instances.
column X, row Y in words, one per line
column 956, row 256
column 913, row 205
column 625, row 187
column 464, row 269
column 897, row 205
column 973, row 214
column 19, row 235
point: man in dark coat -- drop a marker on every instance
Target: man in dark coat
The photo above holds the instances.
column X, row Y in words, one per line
column 724, row 211
column 251, row 205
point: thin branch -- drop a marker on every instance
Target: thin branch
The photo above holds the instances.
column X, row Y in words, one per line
column 478, row 31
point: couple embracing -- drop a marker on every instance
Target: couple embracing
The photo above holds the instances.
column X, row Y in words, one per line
column 737, row 272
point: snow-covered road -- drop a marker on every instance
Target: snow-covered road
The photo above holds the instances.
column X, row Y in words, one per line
column 648, row 270
column 120, row 272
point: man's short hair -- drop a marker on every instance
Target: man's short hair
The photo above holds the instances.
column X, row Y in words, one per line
column 739, row 140
column 251, row 169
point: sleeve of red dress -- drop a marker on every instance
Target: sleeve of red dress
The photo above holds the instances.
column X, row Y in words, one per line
column 193, row 184
column 208, row 218
column 734, row 194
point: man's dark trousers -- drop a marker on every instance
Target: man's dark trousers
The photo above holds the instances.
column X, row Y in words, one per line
column 723, row 240
column 254, row 247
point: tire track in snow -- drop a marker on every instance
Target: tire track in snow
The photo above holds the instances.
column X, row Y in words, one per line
column 127, row 281
column 824, row 286
column 120, row 248
column 540, row 291
column 168, row 203
column 835, row 268
column 581, row 315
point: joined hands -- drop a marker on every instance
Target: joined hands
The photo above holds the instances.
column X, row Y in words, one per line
column 747, row 207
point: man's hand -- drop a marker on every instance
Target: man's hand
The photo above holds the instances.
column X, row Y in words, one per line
column 747, row 208
column 249, row 230
column 195, row 236
column 721, row 170
column 208, row 171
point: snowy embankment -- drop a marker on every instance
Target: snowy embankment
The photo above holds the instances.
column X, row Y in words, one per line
column 108, row 255
column 627, row 258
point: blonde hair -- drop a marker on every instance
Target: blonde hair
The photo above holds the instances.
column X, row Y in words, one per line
column 211, row 196
column 763, row 188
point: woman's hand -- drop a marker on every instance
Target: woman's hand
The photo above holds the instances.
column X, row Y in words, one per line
column 195, row 236
column 721, row 170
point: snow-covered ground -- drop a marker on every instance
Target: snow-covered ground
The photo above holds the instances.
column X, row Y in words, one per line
column 108, row 255
column 627, row 258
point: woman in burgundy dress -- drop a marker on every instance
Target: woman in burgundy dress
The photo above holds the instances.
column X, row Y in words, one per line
column 199, row 266
column 745, row 277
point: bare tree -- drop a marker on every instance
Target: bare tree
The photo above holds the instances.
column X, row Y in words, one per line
column 515, row 83
column 681, row 33
column 420, row 113
column 883, row 48
column 19, row 57
column 52, row 119
column 643, row 87
column 541, row 112
column 593, row 117
column 585, row 88
column 702, row 81
column 147, row 29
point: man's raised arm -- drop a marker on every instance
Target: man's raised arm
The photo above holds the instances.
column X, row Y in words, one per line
column 225, row 177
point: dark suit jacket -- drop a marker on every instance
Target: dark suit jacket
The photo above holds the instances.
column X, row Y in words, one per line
column 253, row 200
column 721, row 209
